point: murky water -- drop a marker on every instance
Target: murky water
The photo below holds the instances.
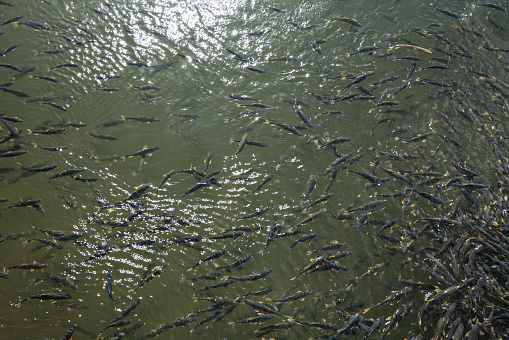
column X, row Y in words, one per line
column 179, row 63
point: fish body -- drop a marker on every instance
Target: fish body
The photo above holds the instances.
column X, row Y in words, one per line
column 212, row 256
column 46, row 296
column 108, row 284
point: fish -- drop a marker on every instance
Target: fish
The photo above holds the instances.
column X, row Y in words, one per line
column 363, row 50
column 361, row 77
column 395, row 296
column 262, row 184
column 46, row 296
column 255, row 319
column 104, row 137
column 303, row 117
column 411, row 47
column 64, row 281
column 372, row 178
column 9, row 49
column 350, row 21
column 69, row 333
column 50, row 243
column 258, row 212
column 297, row 296
column 138, row 192
column 146, row 151
column 262, row 307
column 252, row 277
column 108, row 284
column 50, row 131
column 166, row 177
column 303, row 238
column 52, row 148
column 447, row 12
column 127, row 311
column 342, row 159
column 12, row 67
column 70, row 172
column 203, row 182
column 370, row 205
column 51, row 79
column 156, row 272
column 311, row 185
column 64, row 65
column 11, row 20
column 242, row 144
column 14, row 92
column 40, row 168
column 60, row 107
column 143, row 119
column 27, row 203
column 212, row 256
column 32, row 266
column 237, row 263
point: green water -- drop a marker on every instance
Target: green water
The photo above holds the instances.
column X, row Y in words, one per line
column 156, row 33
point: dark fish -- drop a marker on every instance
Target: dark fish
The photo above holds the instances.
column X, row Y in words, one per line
column 395, row 296
column 311, row 185
column 212, row 256
column 265, row 181
column 70, row 172
column 50, row 131
column 237, row 263
column 308, row 219
column 65, row 65
column 138, row 192
column 156, row 272
column 262, row 307
column 12, row 67
column 144, row 119
column 303, row 117
column 64, row 281
column 46, row 296
column 14, row 92
column 51, row 79
column 166, row 177
column 258, row 212
column 350, row 21
column 54, row 148
column 448, row 13
column 296, row 296
column 32, row 266
column 142, row 153
column 253, row 277
column 9, row 49
column 28, row 203
column 251, row 68
column 231, row 234
column 60, row 107
column 50, row 243
column 11, row 20
column 386, row 80
column 364, row 49
column 104, row 137
column 242, row 144
column 69, row 333
column 128, row 310
column 108, row 284
column 342, row 159
column 323, row 198
column 40, row 168
column 303, row 238
column 260, row 106
column 255, row 319
column 372, row 178
column 202, row 183
column 361, row 77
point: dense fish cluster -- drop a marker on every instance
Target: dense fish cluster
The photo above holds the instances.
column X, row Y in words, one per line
column 409, row 205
